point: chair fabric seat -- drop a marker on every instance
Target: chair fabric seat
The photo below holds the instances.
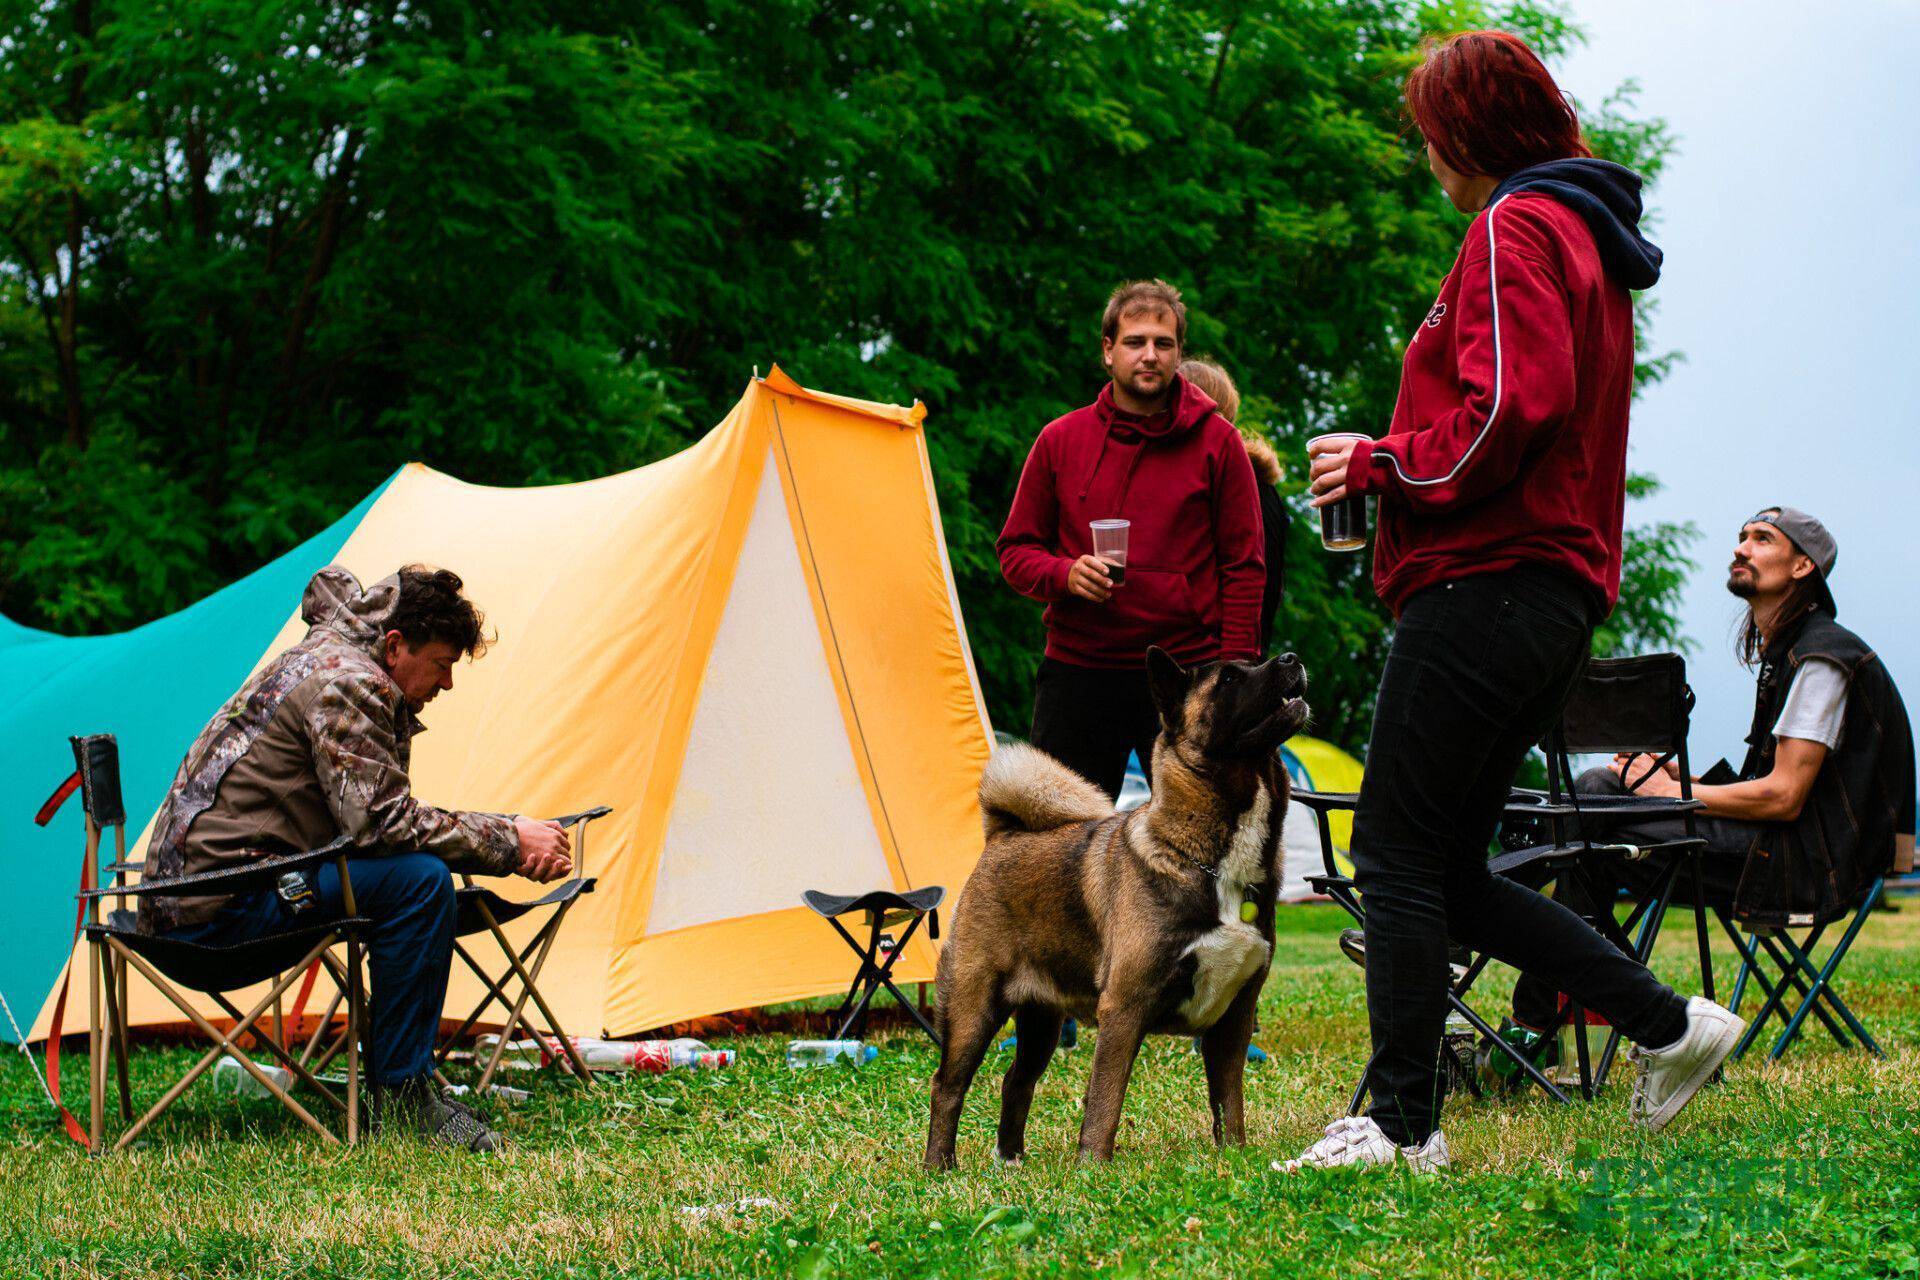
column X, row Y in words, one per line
column 468, row 900
column 830, row 905
column 202, row 967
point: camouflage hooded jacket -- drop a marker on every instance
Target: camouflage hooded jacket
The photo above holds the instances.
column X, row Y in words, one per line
column 315, row 745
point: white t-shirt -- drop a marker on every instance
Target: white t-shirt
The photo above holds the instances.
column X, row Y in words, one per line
column 1816, row 703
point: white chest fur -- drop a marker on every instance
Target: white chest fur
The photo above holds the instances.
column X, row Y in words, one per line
column 1226, row 956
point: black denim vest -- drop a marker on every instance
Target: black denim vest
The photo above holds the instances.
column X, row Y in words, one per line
column 1815, row 868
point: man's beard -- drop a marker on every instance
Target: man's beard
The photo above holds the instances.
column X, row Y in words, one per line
column 1744, row 585
column 1157, row 392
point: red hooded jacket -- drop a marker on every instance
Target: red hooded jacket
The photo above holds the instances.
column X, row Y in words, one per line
column 1509, row 441
column 1194, row 555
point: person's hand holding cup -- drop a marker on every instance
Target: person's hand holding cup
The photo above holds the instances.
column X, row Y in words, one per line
column 1343, row 515
column 1094, row 577
column 1088, row 579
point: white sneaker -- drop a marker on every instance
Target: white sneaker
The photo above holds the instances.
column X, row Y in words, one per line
column 1357, row 1140
column 1669, row 1077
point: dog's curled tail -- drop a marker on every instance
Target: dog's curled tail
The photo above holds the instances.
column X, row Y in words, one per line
column 1025, row 789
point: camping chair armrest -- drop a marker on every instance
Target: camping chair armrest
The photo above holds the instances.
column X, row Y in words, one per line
column 1505, row 864
column 1326, row 801
column 583, row 817
column 254, row 875
column 1525, row 802
column 1325, row 885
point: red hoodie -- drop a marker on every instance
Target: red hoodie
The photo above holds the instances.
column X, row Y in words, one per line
column 1509, row 441
column 1194, row 557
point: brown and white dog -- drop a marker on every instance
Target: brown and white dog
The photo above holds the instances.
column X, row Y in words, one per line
column 1158, row 920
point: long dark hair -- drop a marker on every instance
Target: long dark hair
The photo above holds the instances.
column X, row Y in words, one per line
column 1801, row 599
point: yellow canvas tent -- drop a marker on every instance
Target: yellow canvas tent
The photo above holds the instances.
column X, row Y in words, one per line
column 753, row 651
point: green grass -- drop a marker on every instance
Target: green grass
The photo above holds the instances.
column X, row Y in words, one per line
column 1807, row 1168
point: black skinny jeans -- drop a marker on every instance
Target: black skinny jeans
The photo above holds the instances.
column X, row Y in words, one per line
column 1479, row 670
column 1090, row 718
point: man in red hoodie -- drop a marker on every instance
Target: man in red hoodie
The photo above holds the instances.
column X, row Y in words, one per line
column 1152, row 450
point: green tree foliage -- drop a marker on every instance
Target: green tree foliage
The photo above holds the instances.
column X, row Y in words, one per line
column 254, row 254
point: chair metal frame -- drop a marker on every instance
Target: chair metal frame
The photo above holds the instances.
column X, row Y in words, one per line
column 1812, row 982
column 483, row 911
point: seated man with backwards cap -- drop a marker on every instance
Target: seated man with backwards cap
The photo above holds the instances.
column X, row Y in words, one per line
column 315, row 746
column 1824, row 802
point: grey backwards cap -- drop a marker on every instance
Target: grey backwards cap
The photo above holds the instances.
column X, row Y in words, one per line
column 1808, row 534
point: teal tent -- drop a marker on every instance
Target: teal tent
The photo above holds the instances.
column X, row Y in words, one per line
column 183, row 666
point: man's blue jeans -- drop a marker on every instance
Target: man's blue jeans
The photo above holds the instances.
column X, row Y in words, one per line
column 409, row 898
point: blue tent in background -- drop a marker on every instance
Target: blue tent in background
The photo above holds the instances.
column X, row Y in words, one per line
column 55, row 686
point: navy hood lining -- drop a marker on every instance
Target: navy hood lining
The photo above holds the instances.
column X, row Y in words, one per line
column 1607, row 198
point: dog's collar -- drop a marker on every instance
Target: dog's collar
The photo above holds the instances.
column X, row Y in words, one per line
column 1194, row 862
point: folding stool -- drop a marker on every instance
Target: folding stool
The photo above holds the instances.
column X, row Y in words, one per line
column 884, row 910
column 1796, row 969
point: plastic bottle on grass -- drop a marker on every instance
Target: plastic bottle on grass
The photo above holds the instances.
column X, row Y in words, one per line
column 520, row 1055
column 652, row 1056
column 821, row 1053
column 230, row 1077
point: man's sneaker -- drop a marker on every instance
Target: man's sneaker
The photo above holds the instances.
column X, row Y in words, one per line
column 420, row 1108
column 1353, row 942
column 1357, row 1140
column 1669, row 1077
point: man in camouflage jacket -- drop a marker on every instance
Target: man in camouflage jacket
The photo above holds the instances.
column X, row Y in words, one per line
column 315, row 746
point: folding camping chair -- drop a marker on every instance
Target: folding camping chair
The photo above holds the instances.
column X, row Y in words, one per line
column 1796, row 969
column 1623, row 704
column 117, row 943
column 884, row 910
column 483, row 910
column 1640, row 706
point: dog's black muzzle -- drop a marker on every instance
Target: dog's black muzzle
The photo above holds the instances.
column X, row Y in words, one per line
column 1269, row 706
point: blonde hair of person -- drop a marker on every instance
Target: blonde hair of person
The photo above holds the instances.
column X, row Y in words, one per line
column 1218, row 384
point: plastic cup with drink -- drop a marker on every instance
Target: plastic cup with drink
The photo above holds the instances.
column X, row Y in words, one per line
column 1110, row 547
column 1343, row 524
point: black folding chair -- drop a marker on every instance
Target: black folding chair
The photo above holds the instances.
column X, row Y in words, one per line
column 117, row 943
column 884, row 910
column 1798, row 974
column 1643, row 707
column 1623, row 704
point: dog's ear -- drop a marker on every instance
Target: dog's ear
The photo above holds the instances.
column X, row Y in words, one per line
column 1169, row 682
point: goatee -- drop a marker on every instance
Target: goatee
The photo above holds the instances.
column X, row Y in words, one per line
column 1742, row 585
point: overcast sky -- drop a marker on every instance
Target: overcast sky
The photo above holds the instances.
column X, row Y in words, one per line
column 1791, row 224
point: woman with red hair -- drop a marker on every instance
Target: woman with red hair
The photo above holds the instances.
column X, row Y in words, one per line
column 1501, row 487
